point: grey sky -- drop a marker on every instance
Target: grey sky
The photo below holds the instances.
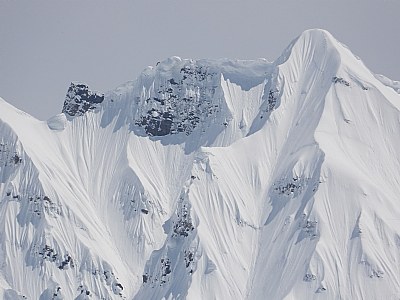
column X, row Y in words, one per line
column 44, row 45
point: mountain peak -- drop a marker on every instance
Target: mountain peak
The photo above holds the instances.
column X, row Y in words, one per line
column 220, row 178
column 320, row 45
column 318, row 38
column 313, row 45
column 316, row 33
column 182, row 96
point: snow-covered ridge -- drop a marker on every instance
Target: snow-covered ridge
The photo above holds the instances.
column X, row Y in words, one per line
column 182, row 96
column 208, row 179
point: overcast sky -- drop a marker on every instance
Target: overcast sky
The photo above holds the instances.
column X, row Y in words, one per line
column 44, row 45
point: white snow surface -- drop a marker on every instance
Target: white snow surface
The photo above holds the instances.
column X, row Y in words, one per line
column 286, row 186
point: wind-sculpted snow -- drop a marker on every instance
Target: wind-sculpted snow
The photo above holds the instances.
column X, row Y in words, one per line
column 209, row 179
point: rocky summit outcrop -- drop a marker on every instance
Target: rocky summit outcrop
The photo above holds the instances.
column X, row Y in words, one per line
column 179, row 100
column 80, row 99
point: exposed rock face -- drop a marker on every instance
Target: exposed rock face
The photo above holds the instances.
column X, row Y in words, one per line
column 80, row 99
column 178, row 102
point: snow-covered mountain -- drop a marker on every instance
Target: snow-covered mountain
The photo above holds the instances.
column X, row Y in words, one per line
column 209, row 179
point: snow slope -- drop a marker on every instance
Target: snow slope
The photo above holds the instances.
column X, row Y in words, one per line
column 209, row 179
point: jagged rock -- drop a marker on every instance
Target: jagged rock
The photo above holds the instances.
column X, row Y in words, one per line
column 80, row 99
column 179, row 104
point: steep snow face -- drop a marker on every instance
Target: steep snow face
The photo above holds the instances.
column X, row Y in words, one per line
column 207, row 180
